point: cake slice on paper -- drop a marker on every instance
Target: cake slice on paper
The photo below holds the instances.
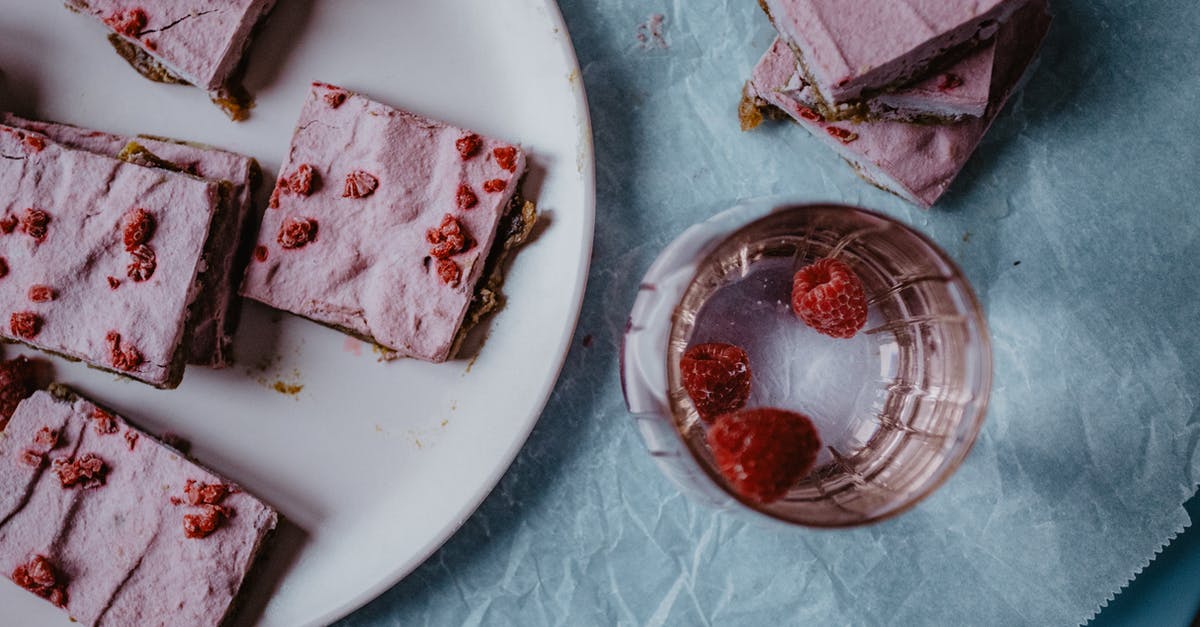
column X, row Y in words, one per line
column 915, row 161
column 388, row 225
column 102, row 520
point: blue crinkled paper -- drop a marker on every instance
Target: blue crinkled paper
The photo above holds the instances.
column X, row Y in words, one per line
column 1078, row 222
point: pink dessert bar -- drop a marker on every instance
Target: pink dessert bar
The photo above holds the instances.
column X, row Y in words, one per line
column 200, row 42
column 383, row 223
column 917, row 162
column 958, row 93
column 101, row 260
column 849, row 50
column 115, row 528
column 216, row 312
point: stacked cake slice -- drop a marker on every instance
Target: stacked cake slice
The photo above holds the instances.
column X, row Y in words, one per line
column 903, row 90
column 116, row 255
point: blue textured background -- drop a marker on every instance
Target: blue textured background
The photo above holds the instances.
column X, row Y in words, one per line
column 1089, row 179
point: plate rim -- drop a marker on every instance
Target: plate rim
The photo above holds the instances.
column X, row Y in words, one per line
column 587, row 169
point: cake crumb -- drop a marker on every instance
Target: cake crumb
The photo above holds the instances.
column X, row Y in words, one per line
column 966, row 236
column 445, row 422
column 285, row 388
column 650, row 33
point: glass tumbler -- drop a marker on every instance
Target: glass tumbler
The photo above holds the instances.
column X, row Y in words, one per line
column 897, row 407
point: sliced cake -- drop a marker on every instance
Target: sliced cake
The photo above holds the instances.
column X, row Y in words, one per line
column 103, row 260
column 388, row 225
column 102, row 520
column 915, row 161
column 216, row 311
column 199, row 42
column 960, row 92
column 852, row 50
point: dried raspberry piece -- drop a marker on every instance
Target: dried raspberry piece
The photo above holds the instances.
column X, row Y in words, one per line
column 87, row 470
column 46, row 439
column 122, row 355
column 152, row 45
column 841, row 134
column 468, row 145
column 506, row 157
column 129, row 23
column 205, row 493
column 359, row 184
column 449, row 272
column 114, row 282
column 3, row 268
column 35, row 143
column 301, row 181
column 35, row 223
column 40, row 577
column 449, row 238
column 465, row 198
column 8, row 224
column 764, row 452
column 716, row 377
column 829, row 297
column 103, row 422
column 281, row 186
column 493, row 186
column 809, row 114
column 25, row 324
column 131, row 438
column 16, row 384
column 260, row 253
column 334, row 97
column 32, row 458
column 41, row 293
column 139, row 228
column 142, row 263
column 949, row 81
column 209, row 520
column 295, row 233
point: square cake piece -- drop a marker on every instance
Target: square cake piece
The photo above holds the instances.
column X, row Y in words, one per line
column 915, row 161
column 200, row 42
column 217, row 307
column 116, row 528
column 850, row 50
column 101, row 260
column 387, row 225
column 960, row 92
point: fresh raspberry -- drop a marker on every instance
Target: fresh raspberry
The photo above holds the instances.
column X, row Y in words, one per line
column 716, row 377
column 764, row 452
column 829, row 297
column 16, row 384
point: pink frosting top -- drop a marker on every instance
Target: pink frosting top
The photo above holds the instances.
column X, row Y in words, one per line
column 849, row 47
column 369, row 266
column 201, row 40
column 916, row 161
column 214, row 320
column 86, row 200
column 119, row 549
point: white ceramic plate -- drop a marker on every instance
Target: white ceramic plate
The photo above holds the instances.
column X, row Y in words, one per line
column 374, row 464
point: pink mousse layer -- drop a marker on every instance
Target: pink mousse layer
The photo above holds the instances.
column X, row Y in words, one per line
column 201, row 40
column 215, row 313
column 917, row 162
column 866, row 45
column 369, row 269
column 960, row 92
column 87, row 198
column 120, row 550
